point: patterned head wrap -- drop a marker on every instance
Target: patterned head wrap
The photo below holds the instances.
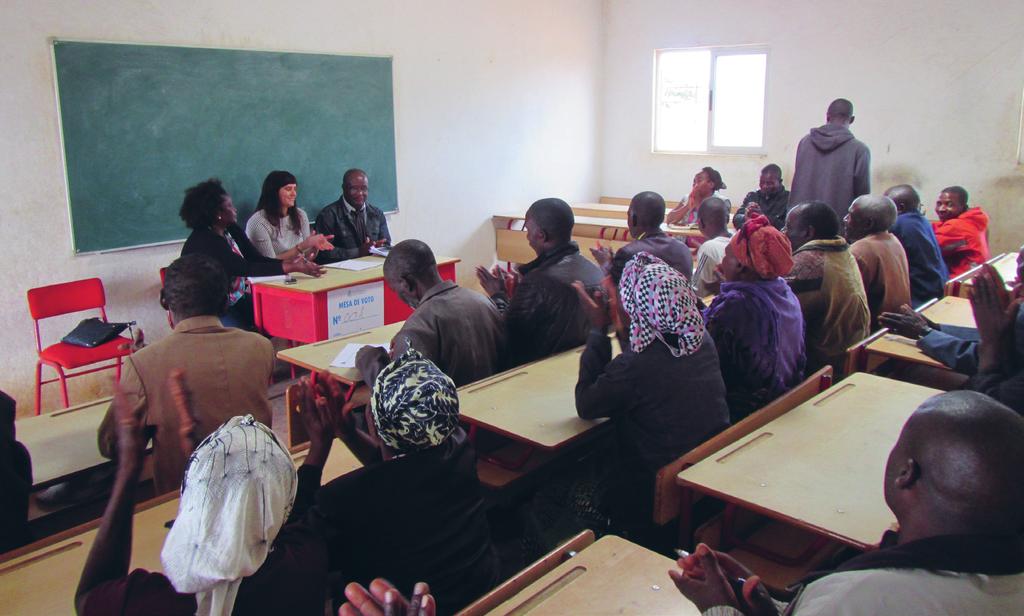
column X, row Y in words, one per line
column 763, row 248
column 659, row 301
column 414, row 404
column 238, row 489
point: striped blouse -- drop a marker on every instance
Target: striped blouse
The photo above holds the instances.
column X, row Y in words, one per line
column 272, row 241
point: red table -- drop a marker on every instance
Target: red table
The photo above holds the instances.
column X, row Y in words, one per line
column 299, row 311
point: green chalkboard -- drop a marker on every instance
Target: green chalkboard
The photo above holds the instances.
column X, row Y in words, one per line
column 141, row 123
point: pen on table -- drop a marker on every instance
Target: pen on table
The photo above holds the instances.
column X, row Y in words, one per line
column 735, row 583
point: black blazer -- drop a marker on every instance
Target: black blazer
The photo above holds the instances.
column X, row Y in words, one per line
column 205, row 241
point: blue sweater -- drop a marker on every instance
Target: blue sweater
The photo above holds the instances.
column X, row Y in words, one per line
column 928, row 272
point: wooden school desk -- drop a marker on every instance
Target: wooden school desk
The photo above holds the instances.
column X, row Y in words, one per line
column 611, row 576
column 1006, row 264
column 63, row 443
column 820, row 466
column 41, row 578
column 600, row 210
column 300, row 312
column 947, row 310
column 595, row 227
column 319, row 355
column 533, row 404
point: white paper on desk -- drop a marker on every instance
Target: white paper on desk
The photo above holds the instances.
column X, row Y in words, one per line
column 353, row 265
column 347, row 357
column 255, row 279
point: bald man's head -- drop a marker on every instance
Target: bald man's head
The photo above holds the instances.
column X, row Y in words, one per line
column 646, row 212
column 713, row 216
column 410, row 269
column 840, row 111
column 905, row 198
column 869, row 214
column 956, row 467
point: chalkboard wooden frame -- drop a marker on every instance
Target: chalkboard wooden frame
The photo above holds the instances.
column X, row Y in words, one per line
column 139, row 123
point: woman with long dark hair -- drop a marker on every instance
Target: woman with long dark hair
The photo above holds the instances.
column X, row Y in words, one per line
column 278, row 228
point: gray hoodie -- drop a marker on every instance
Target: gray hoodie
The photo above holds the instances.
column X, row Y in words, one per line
column 831, row 166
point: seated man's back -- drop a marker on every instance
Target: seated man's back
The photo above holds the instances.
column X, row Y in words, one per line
column 880, row 256
column 457, row 329
column 544, row 314
column 226, row 369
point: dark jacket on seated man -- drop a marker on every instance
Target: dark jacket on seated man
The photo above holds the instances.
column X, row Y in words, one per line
column 458, row 329
column 669, row 249
column 544, row 315
column 16, row 477
column 336, row 219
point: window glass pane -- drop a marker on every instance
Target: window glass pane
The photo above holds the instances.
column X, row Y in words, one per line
column 739, row 100
column 681, row 101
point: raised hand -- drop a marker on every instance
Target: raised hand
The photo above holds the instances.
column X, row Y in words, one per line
column 491, row 282
column 595, row 305
column 131, row 440
column 299, row 264
column 187, row 417
column 318, row 418
column 995, row 314
column 383, row 599
column 709, row 578
column 603, row 255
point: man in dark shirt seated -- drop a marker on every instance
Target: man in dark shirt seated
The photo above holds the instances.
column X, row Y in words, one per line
column 770, row 199
column 664, row 392
column 928, row 271
column 16, row 478
column 414, row 512
column 355, row 224
column 953, row 482
column 543, row 314
column 645, row 214
column 457, row 329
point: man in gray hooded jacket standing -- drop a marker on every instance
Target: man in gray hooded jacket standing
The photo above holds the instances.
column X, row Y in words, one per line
column 831, row 164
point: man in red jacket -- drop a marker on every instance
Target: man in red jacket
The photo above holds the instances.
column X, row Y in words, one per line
column 962, row 231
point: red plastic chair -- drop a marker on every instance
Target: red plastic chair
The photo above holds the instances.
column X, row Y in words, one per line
column 66, row 298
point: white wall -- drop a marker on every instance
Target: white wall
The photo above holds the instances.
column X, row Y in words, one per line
column 936, row 86
column 497, row 104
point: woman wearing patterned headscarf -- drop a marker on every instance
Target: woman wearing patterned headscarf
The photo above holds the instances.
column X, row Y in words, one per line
column 415, row 513
column 756, row 320
column 664, row 392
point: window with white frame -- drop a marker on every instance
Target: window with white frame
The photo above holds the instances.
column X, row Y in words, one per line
column 710, row 99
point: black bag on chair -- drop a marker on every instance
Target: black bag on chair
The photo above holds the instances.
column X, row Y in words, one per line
column 93, row 332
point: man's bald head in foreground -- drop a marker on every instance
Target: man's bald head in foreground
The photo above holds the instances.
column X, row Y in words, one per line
column 869, row 214
column 713, row 216
column 840, row 111
column 905, row 198
column 956, row 468
column 410, row 269
column 646, row 212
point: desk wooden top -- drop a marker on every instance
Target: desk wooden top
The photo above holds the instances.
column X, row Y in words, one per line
column 612, row 576
column 602, row 227
column 1006, row 265
column 600, row 210
column 63, row 443
column 534, row 403
column 335, row 278
column 43, row 581
column 948, row 310
column 819, row 466
column 319, row 355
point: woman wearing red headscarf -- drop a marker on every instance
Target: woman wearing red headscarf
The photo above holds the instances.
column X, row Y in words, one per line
column 756, row 320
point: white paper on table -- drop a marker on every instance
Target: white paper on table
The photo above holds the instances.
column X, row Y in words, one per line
column 353, row 265
column 255, row 279
column 381, row 251
column 347, row 357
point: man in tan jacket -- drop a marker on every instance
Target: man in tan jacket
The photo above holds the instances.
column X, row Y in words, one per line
column 880, row 256
column 226, row 369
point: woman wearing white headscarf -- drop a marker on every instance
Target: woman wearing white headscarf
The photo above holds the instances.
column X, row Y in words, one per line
column 230, row 549
column 664, row 392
